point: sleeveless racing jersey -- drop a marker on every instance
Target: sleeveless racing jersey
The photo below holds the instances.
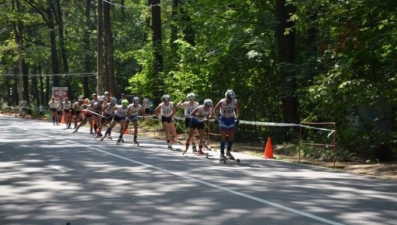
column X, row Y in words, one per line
column 59, row 106
column 120, row 111
column 201, row 113
column 52, row 104
column 227, row 110
column 134, row 110
column 66, row 105
column 109, row 109
column 97, row 106
column 189, row 108
column 166, row 110
column 76, row 106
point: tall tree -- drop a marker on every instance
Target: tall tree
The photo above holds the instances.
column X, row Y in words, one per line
column 100, row 84
column 61, row 34
column 285, row 36
column 158, row 63
column 110, row 69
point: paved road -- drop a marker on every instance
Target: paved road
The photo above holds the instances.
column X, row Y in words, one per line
column 50, row 176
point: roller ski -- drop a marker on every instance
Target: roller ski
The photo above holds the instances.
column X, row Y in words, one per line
column 106, row 136
column 169, row 146
column 201, row 153
column 194, row 149
column 119, row 140
column 223, row 159
column 207, row 146
column 231, row 157
column 98, row 135
column 136, row 143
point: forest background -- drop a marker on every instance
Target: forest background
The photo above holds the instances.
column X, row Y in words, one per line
column 288, row 61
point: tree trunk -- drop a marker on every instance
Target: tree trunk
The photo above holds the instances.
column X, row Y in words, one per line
column 111, row 81
column 100, row 84
column 42, row 99
column 35, row 88
column 25, row 80
column 174, row 29
column 187, row 27
column 64, row 56
column 286, row 58
column 53, row 46
column 18, row 31
column 158, row 85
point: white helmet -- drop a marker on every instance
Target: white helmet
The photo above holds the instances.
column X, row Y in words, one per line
column 208, row 102
column 136, row 100
column 114, row 100
column 165, row 97
column 191, row 96
column 230, row 94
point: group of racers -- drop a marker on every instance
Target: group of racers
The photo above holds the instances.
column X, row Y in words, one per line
column 104, row 110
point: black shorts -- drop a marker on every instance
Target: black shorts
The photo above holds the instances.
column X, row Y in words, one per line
column 53, row 109
column 194, row 124
column 118, row 118
column 187, row 122
column 59, row 112
column 167, row 119
column 77, row 112
column 147, row 110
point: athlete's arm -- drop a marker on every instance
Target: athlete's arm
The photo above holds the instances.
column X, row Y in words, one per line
column 217, row 108
column 237, row 110
column 157, row 110
column 194, row 112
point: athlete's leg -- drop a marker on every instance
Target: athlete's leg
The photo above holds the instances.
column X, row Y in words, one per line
column 135, row 124
column 189, row 138
column 172, row 129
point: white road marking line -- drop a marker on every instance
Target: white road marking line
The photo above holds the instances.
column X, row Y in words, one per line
column 55, row 167
column 179, row 174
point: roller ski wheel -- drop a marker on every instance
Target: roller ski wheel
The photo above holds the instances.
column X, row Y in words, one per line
column 170, row 147
column 222, row 160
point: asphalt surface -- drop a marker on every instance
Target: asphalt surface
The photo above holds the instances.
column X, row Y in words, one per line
column 50, row 176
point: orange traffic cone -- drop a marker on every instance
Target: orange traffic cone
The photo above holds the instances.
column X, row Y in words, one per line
column 63, row 119
column 127, row 131
column 268, row 153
